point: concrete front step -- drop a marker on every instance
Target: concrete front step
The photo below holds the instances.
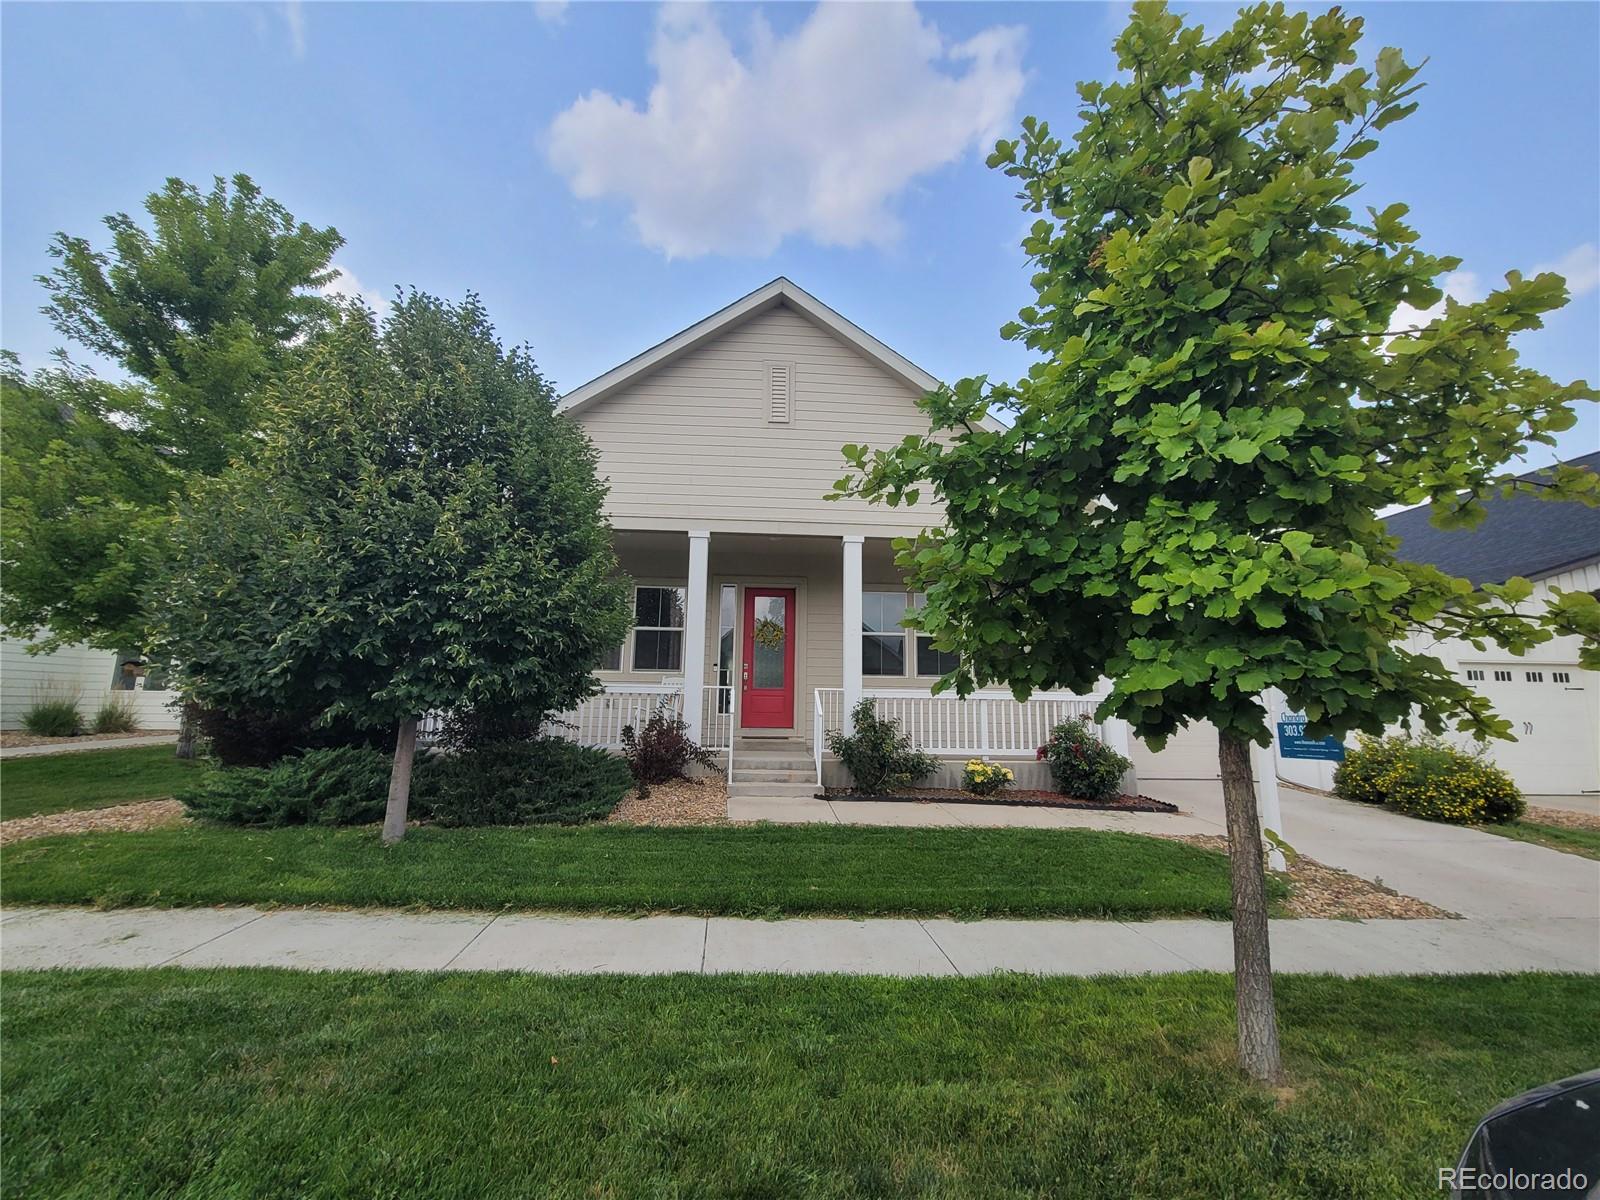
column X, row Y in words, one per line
column 774, row 762
column 739, row 789
column 771, row 746
column 744, row 774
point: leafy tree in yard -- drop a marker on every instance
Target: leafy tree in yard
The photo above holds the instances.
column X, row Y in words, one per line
column 206, row 308
column 201, row 310
column 1186, row 499
column 84, row 508
column 417, row 531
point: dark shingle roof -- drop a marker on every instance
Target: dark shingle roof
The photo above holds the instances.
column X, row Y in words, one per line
column 1521, row 535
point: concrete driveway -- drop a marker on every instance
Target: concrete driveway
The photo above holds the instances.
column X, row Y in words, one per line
column 1463, row 870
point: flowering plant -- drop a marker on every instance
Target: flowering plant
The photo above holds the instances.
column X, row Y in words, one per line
column 1082, row 765
column 986, row 778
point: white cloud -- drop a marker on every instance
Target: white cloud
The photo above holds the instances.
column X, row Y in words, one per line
column 1462, row 286
column 294, row 17
column 812, row 134
column 551, row 12
column 345, row 284
column 1580, row 266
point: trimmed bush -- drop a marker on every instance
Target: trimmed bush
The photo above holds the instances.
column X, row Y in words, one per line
column 1083, row 766
column 986, row 778
column 1360, row 777
column 662, row 751
column 53, row 715
column 259, row 739
column 1428, row 779
column 345, row 785
column 879, row 756
column 548, row 781
column 116, row 715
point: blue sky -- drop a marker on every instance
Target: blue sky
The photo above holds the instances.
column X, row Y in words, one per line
column 573, row 164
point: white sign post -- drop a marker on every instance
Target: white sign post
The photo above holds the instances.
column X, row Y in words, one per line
column 1266, row 763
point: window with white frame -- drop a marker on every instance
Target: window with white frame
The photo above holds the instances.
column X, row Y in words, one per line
column 888, row 647
column 883, row 637
column 930, row 661
column 658, row 628
column 727, row 609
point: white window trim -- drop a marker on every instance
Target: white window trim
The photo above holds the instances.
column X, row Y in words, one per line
column 628, row 647
column 909, row 652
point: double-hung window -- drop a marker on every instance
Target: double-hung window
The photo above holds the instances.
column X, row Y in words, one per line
column 889, row 648
column 930, row 661
column 883, row 638
column 658, row 628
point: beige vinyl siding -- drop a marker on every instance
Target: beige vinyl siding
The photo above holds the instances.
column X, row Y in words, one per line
column 691, row 445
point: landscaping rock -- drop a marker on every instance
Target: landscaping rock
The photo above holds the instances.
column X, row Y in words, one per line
column 1316, row 890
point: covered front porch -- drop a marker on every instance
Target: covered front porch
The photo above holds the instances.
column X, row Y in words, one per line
column 770, row 640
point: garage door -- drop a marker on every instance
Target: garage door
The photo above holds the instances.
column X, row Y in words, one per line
column 1191, row 753
column 1554, row 710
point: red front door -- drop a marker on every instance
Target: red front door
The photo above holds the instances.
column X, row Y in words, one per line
column 767, row 698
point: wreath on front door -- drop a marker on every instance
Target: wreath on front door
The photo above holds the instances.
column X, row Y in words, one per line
column 768, row 633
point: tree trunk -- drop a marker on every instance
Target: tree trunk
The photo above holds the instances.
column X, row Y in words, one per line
column 186, row 730
column 405, row 749
column 1252, row 961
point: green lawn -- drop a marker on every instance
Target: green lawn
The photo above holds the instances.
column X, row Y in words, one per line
column 89, row 779
column 748, row 871
column 282, row 1084
column 1557, row 837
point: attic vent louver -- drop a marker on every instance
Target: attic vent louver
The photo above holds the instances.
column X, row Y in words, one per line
column 780, row 392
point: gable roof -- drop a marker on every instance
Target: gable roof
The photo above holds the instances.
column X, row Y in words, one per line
column 1521, row 535
column 780, row 291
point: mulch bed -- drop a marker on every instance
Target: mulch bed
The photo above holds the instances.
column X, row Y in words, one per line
column 1013, row 798
column 122, row 818
column 680, row 802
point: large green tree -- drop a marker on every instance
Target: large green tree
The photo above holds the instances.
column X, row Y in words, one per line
column 201, row 308
column 1227, row 393
column 418, row 531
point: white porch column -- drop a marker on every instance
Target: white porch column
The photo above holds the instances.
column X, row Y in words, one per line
column 852, row 627
column 694, row 632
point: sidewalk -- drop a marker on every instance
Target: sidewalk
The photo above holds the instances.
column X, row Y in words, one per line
column 394, row 941
column 85, row 745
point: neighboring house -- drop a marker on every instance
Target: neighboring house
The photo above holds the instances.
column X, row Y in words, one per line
column 771, row 610
column 88, row 676
column 1551, row 702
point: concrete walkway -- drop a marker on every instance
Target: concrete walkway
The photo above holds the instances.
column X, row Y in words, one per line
column 78, row 747
column 393, row 941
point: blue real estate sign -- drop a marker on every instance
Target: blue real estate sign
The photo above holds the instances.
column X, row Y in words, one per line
column 1293, row 742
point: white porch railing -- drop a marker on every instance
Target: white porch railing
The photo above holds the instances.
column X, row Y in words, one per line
column 982, row 724
column 599, row 720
